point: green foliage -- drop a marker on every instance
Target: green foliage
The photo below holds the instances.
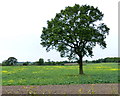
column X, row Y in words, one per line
column 60, row 75
column 54, row 63
column 26, row 63
column 41, row 61
column 10, row 61
column 5, row 63
column 74, row 32
column 108, row 59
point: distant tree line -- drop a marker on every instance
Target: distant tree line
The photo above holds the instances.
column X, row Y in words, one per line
column 108, row 59
column 12, row 61
column 49, row 62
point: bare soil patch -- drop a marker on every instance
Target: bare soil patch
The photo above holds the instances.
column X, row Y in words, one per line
column 62, row 89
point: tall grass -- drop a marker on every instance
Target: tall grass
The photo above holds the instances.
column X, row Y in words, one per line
column 58, row 75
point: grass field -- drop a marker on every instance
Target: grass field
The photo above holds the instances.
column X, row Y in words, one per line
column 60, row 75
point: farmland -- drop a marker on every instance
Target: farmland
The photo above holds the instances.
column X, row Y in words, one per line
column 60, row 75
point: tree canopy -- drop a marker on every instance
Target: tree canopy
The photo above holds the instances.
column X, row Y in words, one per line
column 75, row 31
column 10, row 61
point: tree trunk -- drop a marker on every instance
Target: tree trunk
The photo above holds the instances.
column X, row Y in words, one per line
column 80, row 65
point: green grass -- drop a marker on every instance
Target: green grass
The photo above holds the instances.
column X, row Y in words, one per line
column 59, row 75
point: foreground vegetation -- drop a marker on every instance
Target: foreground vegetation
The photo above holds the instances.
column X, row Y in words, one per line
column 58, row 75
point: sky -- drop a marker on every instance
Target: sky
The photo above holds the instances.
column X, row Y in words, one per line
column 21, row 23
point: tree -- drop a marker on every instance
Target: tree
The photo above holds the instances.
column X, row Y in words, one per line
column 74, row 32
column 26, row 63
column 49, row 62
column 5, row 63
column 41, row 61
column 11, row 61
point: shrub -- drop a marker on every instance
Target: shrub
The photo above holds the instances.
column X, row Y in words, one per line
column 26, row 63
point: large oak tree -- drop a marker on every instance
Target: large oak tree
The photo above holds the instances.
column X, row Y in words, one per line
column 74, row 32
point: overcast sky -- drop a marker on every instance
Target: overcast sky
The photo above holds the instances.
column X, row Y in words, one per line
column 21, row 23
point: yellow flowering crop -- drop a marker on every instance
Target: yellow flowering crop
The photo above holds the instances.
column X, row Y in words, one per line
column 4, row 71
column 58, row 66
column 21, row 69
column 21, row 81
column 8, row 72
column 11, row 81
column 103, row 67
column 34, row 72
column 114, row 69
